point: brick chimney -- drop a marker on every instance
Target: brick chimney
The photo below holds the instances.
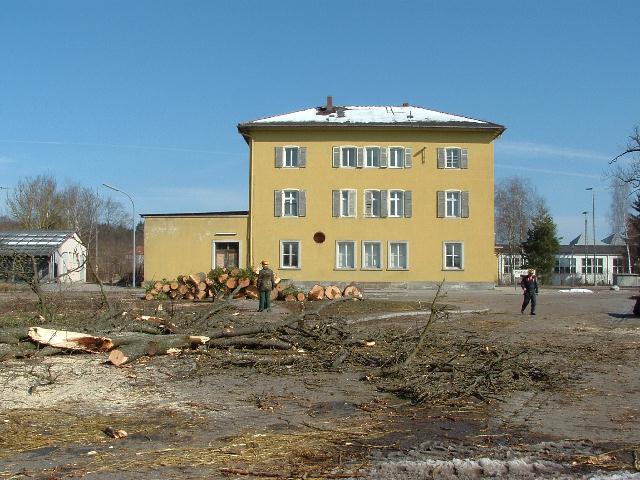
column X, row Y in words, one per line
column 405, row 104
column 329, row 105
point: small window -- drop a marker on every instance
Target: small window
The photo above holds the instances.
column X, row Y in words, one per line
column 453, row 203
column 290, row 203
column 291, row 156
column 396, row 157
column 453, row 256
column 619, row 265
column 453, row 156
column 348, row 156
column 587, row 267
column 396, row 203
column 344, row 203
column 371, row 255
column 346, row 255
column 289, row 254
column 373, row 157
column 372, row 203
column 509, row 261
column 398, row 255
column 565, row 265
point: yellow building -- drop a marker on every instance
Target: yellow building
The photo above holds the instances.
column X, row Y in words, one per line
column 396, row 194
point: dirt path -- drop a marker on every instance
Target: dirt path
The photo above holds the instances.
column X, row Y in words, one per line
column 187, row 419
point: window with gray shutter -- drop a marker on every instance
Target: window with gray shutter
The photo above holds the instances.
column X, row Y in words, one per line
column 302, row 157
column 384, row 207
column 336, row 157
column 408, row 157
column 384, row 157
column 352, row 203
column 368, row 203
column 441, row 157
column 335, row 195
column 407, row 204
column 277, row 203
column 441, row 204
column 464, row 158
column 302, row 203
column 279, row 157
column 360, row 157
column 464, row 204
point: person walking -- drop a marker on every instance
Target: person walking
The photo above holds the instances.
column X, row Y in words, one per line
column 265, row 284
column 529, row 286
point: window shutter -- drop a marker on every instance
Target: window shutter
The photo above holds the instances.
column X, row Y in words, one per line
column 441, row 204
column 383, row 203
column 407, row 204
column 368, row 203
column 464, row 204
column 277, row 203
column 336, row 157
column 336, row 203
column 464, row 158
column 360, row 157
column 408, row 157
column 279, row 157
column 441, row 157
column 384, row 157
column 302, row 157
column 352, row 203
column 302, row 203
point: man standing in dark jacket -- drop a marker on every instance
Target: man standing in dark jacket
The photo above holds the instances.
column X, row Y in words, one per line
column 529, row 286
column 265, row 284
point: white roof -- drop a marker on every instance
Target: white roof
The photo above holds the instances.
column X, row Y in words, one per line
column 372, row 115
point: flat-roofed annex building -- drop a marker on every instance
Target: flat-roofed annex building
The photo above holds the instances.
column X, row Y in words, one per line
column 390, row 194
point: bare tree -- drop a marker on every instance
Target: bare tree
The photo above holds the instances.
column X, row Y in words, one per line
column 620, row 204
column 516, row 204
column 35, row 203
column 629, row 173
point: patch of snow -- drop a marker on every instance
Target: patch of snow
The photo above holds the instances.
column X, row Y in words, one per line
column 576, row 290
column 370, row 114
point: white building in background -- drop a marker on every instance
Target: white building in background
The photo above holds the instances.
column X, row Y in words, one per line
column 60, row 255
column 575, row 262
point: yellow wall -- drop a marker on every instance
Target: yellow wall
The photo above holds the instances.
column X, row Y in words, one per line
column 424, row 231
column 176, row 245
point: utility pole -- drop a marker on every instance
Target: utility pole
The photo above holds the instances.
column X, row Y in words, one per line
column 133, row 220
column 585, row 247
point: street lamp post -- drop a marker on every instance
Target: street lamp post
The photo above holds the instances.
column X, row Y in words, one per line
column 593, row 224
column 585, row 246
column 133, row 220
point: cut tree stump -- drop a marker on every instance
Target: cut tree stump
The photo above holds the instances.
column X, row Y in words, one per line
column 231, row 283
column 316, row 293
column 244, row 282
column 252, row 292
column 301, row 297
column 352, row 291
column 332, row 292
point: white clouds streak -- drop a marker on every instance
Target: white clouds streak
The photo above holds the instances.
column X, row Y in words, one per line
column 531, row 149
column 125, row 146
column 548, row 171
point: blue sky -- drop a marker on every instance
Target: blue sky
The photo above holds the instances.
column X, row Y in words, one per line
column 146, row 94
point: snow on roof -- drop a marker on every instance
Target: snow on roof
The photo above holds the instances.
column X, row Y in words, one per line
column 386, row 115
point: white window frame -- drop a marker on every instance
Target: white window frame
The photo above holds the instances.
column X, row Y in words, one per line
column 355, row 156
column 458, row 202
column 282, row 253
column 400, row 211
column 390, row 255
column 284, row 156
column 444, row 255
column 355, row 260
column 390, row 158
column 446, row 157
column 351, row 193
column 284, row 202
column 378, row 202
column 366, row 156
column 364, row 255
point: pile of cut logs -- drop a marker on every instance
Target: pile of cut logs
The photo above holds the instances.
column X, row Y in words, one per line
column 222, row 281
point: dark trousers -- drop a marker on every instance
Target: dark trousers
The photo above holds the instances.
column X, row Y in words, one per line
column 265, row 301
column 529, row 296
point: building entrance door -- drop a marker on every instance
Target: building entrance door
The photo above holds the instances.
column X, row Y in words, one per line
column 226, row 254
